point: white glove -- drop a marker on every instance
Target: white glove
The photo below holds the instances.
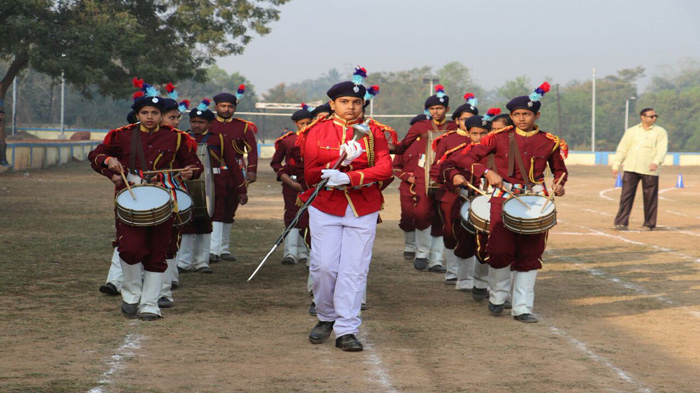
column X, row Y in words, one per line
column 132, row 178
column 353, row 150
column 335, row 177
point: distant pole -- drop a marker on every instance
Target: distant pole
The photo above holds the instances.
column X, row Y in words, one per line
column 627, row 112
column 431, row 81
column 371, row 108
column 593, row 115
column 559, row 108
column 14, row 107
column 63, row 106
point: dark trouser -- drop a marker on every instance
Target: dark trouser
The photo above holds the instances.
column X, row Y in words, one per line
column 145, row 244
column 225, row 207
column 408, row 204
column 650, row 192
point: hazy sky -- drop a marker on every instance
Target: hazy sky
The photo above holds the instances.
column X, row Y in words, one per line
column 497, row 39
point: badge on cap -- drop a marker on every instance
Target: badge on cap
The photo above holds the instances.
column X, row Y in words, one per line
column 356, row 89
column 199, row 112
column 154, row 100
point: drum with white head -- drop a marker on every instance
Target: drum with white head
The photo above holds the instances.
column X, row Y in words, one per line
column 151, row 207
column 480, row 213
column 532, row 219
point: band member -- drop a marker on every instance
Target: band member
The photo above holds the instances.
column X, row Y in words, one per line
column 468, row 248
column 242, row 136
column 291, row 174
column 143, row 147
column 196, row 235
column 429, row 243
column 323, row 110
column 522, row 154
column 445, row 199
column 343, row 218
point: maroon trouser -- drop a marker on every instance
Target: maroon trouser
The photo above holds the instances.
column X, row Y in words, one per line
column 225, row 207
column 650, row 192
column 467, row 245
column 505, row 247
column 197, row 226
column 408, row 204
column 145, row 244
column 448, row 234
column 174, row 242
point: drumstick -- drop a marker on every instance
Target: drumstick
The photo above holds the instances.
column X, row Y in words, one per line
column 163, row 171
column 476, row 189
column 127, row 185
column 516, row 197
column 551, row 197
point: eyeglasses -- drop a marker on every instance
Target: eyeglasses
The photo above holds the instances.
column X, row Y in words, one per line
column 652, row 116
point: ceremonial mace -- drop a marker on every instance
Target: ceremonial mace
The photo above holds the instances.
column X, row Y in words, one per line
column 359, row 131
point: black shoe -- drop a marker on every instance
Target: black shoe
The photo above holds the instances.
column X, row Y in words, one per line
column 363, row 306
column 164, row 302
column 147, row 316
column 437, row 269
column 312, row 309
column 526, row 318
column 495, row 309
column 129, row 310
column 620, row 227
column 181, row 270
column 348, row 343
column 420, row 263
column 320, row 333
column 213, row 258
column 228, row 257
column 109, row 289
column 409, row 255
column 204, row 269
column 174, row 285
column 508, row 305
column 302, row 261
column 479, row 294
column 450, row 281
column 288, row 261
column 4, row 163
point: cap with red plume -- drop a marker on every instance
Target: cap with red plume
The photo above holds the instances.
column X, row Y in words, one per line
column 491, row 113
column 240, row 92
column 531, row 102
column 306, row 112
column 440, row 98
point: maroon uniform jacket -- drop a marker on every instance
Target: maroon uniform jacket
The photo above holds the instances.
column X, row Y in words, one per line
column 320, row 148
column 448, row 142
column 285, row 151
column 224, row 159
column 242, row 136
column 165, row 148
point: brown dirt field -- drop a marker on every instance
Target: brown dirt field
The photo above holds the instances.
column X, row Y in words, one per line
column 618, row 310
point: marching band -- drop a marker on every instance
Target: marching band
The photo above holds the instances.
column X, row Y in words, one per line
column 475, row 203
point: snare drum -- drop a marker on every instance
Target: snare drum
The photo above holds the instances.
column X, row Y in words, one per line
column 151, row 207
column 202, row 189
column 464, row 217
column 480, row 213
column 182, row 207
column 530, row 221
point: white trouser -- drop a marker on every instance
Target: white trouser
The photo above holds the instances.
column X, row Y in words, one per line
column 437, row 249
column 226, row 238
column 465, row 273
column 481, row 275
column 303, row 249
column 152, row 284
column 168, row 277
column 132, row 281
column 216, row 235
column 499, row 281
column 185, row 255
column 423, row 240
column 341, row 250
column 409, row 241
column 291, row 244
column 524, row 292
column 310, row 283
column 115, row 270
column 202, row 242
column 452, row 264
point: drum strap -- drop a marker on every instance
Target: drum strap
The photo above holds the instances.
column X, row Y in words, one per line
column 137, row 149
column 514, row 155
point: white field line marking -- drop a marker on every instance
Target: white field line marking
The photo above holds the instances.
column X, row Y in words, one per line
column 602, row 194
column 680, row 214
column 598, row 212
column 374, row 360
column 665, row 190
column 683, row 231
column 600, row 359
column 125, row 351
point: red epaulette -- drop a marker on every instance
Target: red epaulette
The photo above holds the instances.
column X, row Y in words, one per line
column 464, row 146
column 301, row 134
column 560, row 143
column 386, row 128
column 278, row 140
column 249, row 124
column 436, row 140
column 112, row 133
column 488, row 139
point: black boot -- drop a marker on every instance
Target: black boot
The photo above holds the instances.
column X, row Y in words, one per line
column 320, row 333
column 348, row 343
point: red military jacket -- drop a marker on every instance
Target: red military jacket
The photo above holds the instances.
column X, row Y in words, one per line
column 418, row 135
column 447, row 142
column 242, row 136
column 164, row 148
column 537, row 149
column 405, row 165
column 223, row 158
column 320, row 148
column 446, row 171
